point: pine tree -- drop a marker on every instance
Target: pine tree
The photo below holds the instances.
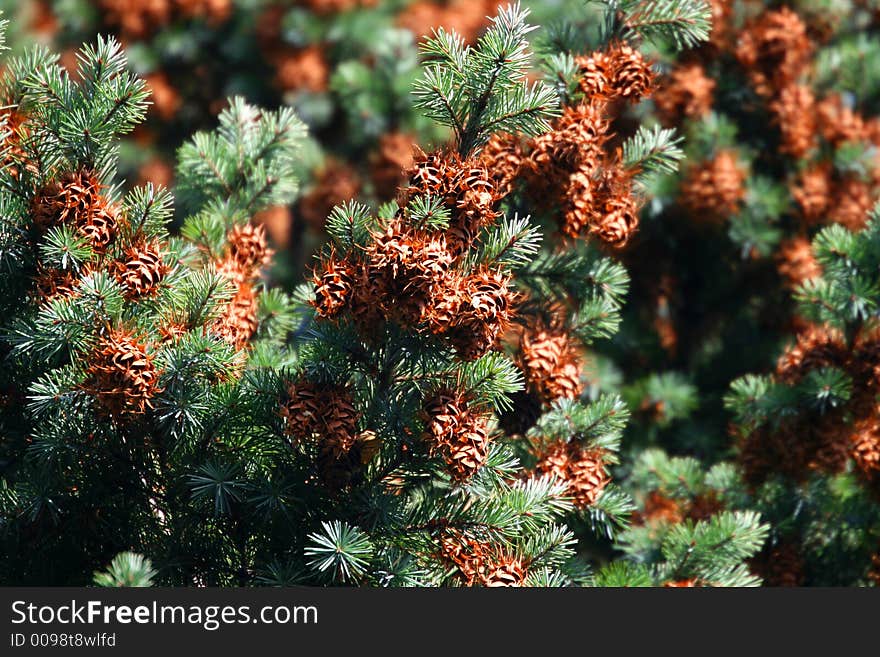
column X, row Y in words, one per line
column 807, row 434
column 413, row 415
column 133, row 360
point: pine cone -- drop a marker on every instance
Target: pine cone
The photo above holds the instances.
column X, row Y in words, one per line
column 15, row 123
column 466, row 189
column 780, row 565
column 812, row 193
column 466, row 554
column 658, row 508
column 247, row 252
column 551, row 364
column 121, row 374
column 839, row 123
column 714, row 189
column 457, row 433
column 321, row 412
column 687, row 92
column 141, row 270
column 582, row 469
column 681, row 583
column 633, row 76
column 238, row 322
column 853, row 199
column 502, row 158
column 75, row 200
column 333, row 287
column 576, row 143
column 603, row 207
column 866, row 446
column 794, row 112
column 54, row 283
column 774, row 50
column 505, row 571
column 483, row 313
column 301, row 69
column 165, row 98
column 816, row 347
column 796, row 262
column 596, row 75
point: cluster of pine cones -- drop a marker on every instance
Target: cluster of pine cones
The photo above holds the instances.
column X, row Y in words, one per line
column 410, row 275
column 804, row 443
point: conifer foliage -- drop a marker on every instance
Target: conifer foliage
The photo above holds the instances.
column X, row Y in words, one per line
column 418, row 411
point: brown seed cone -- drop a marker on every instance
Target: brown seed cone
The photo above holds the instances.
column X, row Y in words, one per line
column 551, row 363
column 687, row 92
column 721, row 35
column 853, row 199
column 468, row 555
column 815, row 347
column 616, row 217
column 864, row 365
column 76, row 200
column 320, row 412
column 714, row 189
column 333, row 287
column 633, row 75
column 457, row 433
column 165, row 98
column 703, row 507
column 142, row 269
column 774, row 49
column 582, row 469
column 482, row 305
column 466, row 17
column 577, row 208
column 576, row 143
column 812, row 193
column 54, row 283
column 657, row 508
column 122, row 375
column 505, row 570
column 247, row 252
column 15, row 123
column 300, row 69
column 780, row 565
column 334, row 183
column 865, row 445
column 597, row 74
column 466, row 189
column 141, row 19
column 838, row 123
column 681, row 583
column 796, row 448
column 502, row 158
column 390, row 163
column 795, row 261
column 238, row 322
column 794, row 113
